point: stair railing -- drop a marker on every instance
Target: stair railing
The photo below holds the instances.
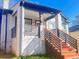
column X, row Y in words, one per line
column 53, row 40
column 68, row 39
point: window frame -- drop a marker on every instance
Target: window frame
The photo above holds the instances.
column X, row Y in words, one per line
column 28, row 19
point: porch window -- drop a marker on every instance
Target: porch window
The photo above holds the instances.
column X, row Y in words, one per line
column 64, row 24
column 28, row 25
column 51, row 24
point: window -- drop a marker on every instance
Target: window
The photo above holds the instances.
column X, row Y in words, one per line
column 28, row 21
column 13, row 30
column 51, row 24
column 28, row 25
column 64, row 23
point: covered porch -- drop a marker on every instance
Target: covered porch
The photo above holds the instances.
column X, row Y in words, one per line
column 34, row 21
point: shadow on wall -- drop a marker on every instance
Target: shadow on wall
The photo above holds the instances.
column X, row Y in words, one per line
column 32, row 46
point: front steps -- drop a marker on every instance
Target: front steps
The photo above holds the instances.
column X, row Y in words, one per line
column 64, row 47
column 69, row 52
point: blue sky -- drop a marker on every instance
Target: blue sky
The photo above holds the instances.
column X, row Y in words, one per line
column 70, row 8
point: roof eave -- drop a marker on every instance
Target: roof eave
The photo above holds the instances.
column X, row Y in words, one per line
column 39, row 8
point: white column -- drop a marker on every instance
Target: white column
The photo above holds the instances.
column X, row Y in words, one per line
column 22, row 30
column 42, row 35
column 60, row 22
column 18, row 39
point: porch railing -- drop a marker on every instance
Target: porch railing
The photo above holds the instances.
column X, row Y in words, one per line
column 56, row 41
column 68, row 39
column 53, row 40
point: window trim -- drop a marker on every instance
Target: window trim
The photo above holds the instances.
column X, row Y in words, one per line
column 28, row 19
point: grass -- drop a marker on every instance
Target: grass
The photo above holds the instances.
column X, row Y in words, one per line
column 9, row 56
column 41, row 57
column 32, row 57
column 29, row 57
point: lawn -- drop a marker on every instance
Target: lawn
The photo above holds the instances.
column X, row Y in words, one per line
column 28, row 57
column 41, row 57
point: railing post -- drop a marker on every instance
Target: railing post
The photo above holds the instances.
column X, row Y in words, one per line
column 65, row 38
column 77, row 45
column 61, row 47
column 58, row 33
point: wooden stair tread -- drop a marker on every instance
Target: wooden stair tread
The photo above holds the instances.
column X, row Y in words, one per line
column 68, row 51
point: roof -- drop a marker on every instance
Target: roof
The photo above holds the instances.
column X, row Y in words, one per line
column 38, row 7
column 74, row 28
column 6, row 11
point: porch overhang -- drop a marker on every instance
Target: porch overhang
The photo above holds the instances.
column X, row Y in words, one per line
column 39, row 8
column 6, row 11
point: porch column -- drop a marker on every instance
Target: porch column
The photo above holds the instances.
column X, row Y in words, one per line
column 42, row 32
column 56, row 23
column 22, row 31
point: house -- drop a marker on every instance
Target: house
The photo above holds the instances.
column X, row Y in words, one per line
column 25, row 25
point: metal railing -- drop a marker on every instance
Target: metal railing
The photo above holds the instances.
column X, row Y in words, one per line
column 68, row 39
column 53, row 40
column 56, row 41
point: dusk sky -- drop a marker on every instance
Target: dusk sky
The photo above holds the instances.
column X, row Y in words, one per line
column 70, row 8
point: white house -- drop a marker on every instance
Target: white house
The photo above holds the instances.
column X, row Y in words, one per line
column 23, row 27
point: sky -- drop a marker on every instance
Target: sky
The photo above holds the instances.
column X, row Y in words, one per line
column 70, row 8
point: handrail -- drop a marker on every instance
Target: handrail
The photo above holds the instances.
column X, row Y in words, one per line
column 68, row 39
column 53, row 40
column 56, row 41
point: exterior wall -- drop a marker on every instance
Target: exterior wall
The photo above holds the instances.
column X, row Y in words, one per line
column 10, row 25
column 3, row 32
column 16, row 41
